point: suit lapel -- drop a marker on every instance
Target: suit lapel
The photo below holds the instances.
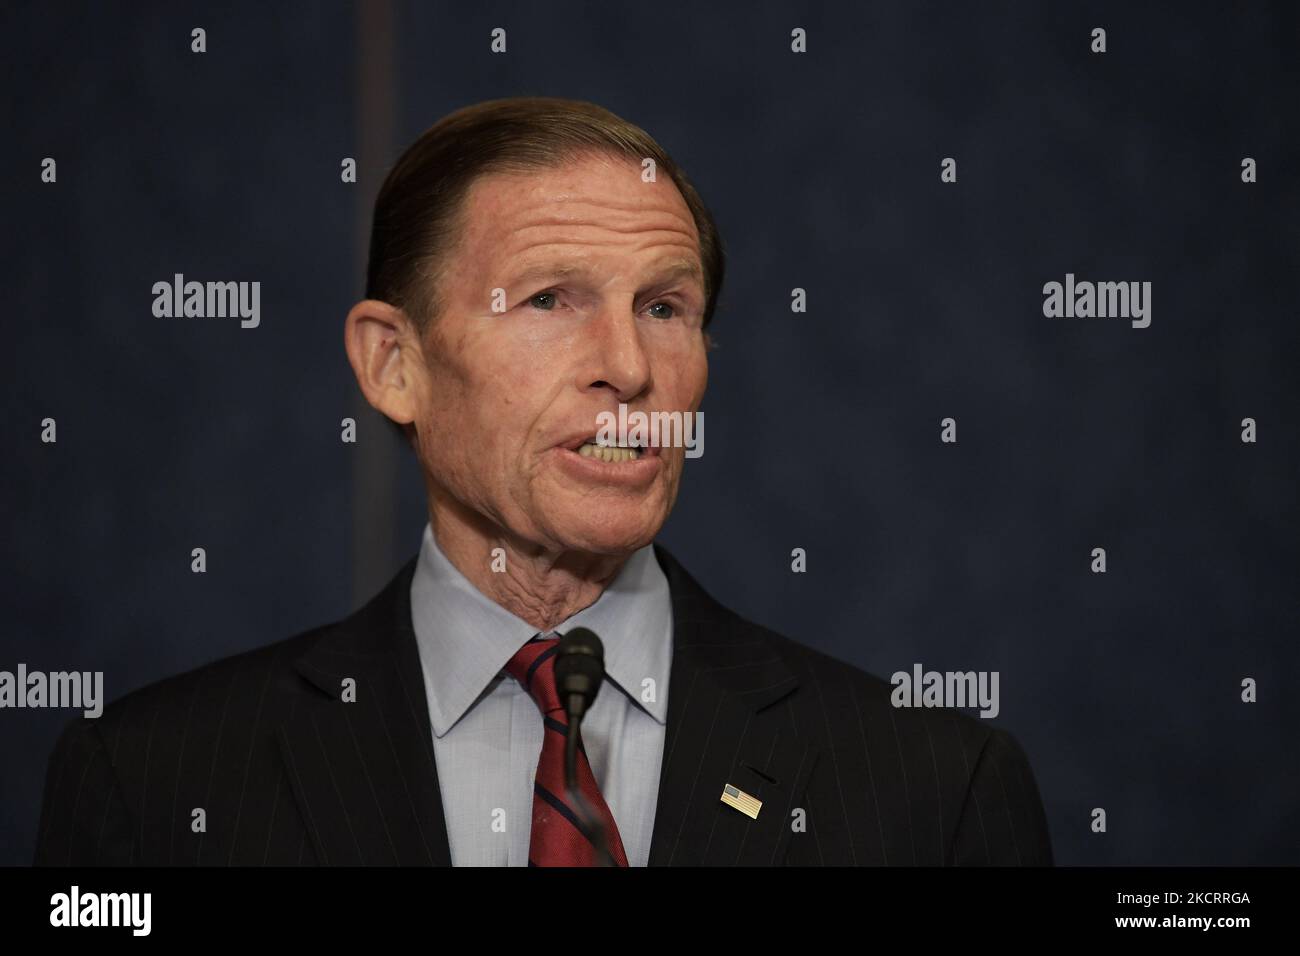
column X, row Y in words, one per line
column 365, row 778
column 721, row 677
column 363, row 772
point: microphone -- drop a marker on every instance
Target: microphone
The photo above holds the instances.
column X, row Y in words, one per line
column 579, row 672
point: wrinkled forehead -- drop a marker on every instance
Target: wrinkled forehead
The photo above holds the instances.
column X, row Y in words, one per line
column 586, row 207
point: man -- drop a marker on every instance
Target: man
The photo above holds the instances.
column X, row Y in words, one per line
column 535, row 264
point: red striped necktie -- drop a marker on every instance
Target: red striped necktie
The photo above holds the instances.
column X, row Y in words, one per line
column 556, row 838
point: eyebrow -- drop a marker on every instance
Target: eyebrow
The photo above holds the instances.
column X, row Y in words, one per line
column 665, row 271
column 549, row 270
column 680, row 268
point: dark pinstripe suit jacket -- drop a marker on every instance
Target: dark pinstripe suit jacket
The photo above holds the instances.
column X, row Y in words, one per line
column 286, row 772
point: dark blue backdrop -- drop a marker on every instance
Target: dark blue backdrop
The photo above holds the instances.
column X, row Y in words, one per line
column 924, row 301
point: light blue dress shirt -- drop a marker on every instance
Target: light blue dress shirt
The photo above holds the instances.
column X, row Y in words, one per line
column 487, row 731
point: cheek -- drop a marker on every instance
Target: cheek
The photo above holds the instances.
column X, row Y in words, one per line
column 686, row 375
column 457, row 414
column 701, row 378
column 488, row 416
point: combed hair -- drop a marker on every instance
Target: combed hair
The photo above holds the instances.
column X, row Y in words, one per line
column 419, row 206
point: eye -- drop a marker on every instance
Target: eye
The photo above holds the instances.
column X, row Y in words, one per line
column 543, row 304
column 665, row 305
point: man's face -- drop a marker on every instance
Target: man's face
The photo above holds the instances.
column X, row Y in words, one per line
column 603, row 303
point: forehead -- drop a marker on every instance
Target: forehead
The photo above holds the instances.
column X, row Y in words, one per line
column 588, row 205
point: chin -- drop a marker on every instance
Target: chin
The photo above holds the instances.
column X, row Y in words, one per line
column 608, row 531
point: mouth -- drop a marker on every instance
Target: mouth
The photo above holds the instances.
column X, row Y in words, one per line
column 609, row 452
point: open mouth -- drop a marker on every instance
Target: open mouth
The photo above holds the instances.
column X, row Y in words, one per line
column 610, row 451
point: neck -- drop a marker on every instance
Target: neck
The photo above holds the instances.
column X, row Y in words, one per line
column 541, row 586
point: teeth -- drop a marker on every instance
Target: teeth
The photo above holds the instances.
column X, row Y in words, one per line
column 604, row 453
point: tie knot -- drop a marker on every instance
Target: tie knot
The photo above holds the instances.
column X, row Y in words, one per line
column 534, row 667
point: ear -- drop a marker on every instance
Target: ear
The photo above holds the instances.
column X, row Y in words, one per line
column 384, row 350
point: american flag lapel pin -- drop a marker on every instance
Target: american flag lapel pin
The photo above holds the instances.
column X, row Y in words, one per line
column 735, row 797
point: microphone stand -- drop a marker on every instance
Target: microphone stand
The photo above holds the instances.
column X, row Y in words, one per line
column 590, row 824
column 579, row 671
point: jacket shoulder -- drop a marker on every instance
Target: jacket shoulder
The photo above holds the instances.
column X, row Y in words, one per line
column 120, row 787
column 847, row 690
column 892, row 783
column 260, row 671
column 260, row 678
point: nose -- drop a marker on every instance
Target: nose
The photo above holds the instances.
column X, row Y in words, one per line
column 619, row 359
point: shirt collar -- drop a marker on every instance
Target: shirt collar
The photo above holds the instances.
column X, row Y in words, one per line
column 465, row 639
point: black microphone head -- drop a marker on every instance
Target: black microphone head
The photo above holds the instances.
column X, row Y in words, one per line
column 579, row 666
